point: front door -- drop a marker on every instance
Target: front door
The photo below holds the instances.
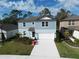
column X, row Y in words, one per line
column 33, row 34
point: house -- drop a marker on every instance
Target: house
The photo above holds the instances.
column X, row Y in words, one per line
column 36, row 26
column 71, row 22
column 9, row 30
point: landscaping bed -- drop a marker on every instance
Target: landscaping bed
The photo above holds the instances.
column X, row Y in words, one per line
column 17, row 47
column 64, row 46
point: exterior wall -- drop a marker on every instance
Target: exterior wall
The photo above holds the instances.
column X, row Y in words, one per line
column 45, row 29
column 38, row 28
column 8, row 34
column 11, row 33
column 66, row 25
column 21, row 29
column 28, row 33
column 28, row 25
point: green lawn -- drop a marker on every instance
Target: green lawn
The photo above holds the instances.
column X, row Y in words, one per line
column 16, row 48
column 66, row 51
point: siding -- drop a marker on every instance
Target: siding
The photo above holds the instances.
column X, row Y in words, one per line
column 45, row 29
column 66, row 25
column 28, row 24
column 11, row 33
column 38, row 28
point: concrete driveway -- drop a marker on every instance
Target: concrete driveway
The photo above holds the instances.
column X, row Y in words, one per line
column 46, row 46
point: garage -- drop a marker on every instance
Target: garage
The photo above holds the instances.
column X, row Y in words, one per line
column 46, row 35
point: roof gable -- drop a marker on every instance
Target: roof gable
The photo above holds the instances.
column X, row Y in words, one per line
column 46, row 18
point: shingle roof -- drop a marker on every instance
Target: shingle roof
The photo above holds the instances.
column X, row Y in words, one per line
column 71, row 18
column 34, row 18
column 8, row 27
column 32, row 29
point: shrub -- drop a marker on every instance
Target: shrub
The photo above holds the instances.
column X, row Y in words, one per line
column 58, row 37
column 66, row 33
column 18, row 35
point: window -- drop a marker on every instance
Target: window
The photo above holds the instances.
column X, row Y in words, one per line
column 46, row 23
column 33, row 23
column 24, row 32
column 73, row 23
column 24, row 24
column 33, row 34
column 42, row 23
column 69, row 22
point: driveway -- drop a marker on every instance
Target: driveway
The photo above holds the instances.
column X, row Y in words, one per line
column 46, row 46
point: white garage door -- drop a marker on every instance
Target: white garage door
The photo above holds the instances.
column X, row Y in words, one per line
column 46, row 35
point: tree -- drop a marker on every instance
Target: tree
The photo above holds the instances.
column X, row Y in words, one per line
column 45, row 12
column 60, row 16
column 25, row 15
column 15, row 13
column 5, row 15
column 28, row 14
column 12, row 17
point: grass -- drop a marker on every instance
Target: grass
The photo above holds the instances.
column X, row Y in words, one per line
column 66, row 51
column 74, row 44
column 15, row 48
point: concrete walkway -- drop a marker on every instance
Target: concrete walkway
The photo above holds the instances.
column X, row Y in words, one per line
column 46, row 47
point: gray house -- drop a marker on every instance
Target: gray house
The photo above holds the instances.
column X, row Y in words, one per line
column 71, row 22
column 36, row 26
column 9, row 30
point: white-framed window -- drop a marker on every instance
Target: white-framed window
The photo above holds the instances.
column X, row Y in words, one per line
column 44, row 24
column 24, row 24
column 71, row 23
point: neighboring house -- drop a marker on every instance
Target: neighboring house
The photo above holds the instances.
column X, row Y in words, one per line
column 71, row 22
column 9, row 30
column 34, row 26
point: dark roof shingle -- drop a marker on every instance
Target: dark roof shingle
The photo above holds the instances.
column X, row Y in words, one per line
column 34, row 18
column 71, row 18
column 8, row 27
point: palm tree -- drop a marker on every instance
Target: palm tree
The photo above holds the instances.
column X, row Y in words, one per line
column 60, row 16
column 45, row 12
